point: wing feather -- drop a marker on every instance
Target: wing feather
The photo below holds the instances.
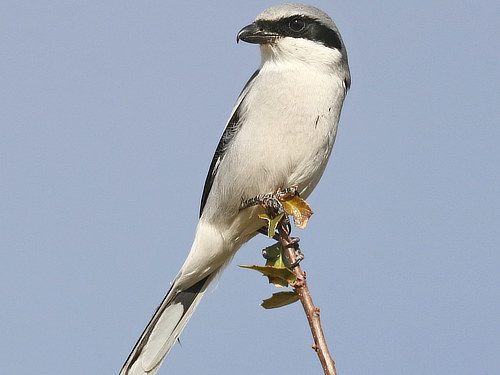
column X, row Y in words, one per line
column 230, row 131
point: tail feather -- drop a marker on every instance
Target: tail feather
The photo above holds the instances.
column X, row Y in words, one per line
column 164, row 328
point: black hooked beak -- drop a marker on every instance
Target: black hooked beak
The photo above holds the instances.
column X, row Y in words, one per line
column 256, row 35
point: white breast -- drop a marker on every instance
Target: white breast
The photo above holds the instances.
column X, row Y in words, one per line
column 289, row 122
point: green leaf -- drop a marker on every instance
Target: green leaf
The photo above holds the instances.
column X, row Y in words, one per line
column 280, row 299
column 274, row 266
column 274, row 255
column 274, row 258
column 272, row 223
column 276, row 275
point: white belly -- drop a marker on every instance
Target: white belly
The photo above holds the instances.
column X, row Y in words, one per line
column 285, row 139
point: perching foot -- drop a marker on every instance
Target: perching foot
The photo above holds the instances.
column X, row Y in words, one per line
column 271, row 201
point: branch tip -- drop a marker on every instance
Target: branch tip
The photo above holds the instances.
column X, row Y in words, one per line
column 312, row 312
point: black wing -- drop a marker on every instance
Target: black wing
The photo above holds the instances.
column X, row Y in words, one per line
column 232, row 128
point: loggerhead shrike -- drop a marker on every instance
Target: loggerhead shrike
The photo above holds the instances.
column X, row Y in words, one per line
column 280, row 134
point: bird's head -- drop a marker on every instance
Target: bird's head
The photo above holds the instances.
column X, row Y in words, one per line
column 296, row 31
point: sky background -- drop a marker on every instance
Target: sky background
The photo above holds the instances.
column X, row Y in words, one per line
column 110, row 113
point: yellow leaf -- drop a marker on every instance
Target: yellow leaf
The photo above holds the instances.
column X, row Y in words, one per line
column 276, row 275
column 298, row 208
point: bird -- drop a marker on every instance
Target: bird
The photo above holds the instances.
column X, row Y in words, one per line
column 280, row 134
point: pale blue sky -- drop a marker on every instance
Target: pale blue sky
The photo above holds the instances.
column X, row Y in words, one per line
column 110, row 114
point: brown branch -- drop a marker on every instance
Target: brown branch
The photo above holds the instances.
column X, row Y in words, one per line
column 311, row 311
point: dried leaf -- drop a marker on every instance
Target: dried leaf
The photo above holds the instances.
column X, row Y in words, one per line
column 298, row 208
column 280, row 299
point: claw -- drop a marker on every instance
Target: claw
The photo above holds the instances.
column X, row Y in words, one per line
column 272, row 200
column 289, row 192
column 272, row 203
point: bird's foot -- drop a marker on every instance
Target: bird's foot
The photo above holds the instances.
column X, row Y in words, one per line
column 288, row 192
column 272, row 201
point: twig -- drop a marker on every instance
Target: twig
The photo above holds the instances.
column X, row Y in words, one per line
column 311, row 311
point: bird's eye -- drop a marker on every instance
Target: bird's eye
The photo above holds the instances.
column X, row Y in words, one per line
column 297, row 25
